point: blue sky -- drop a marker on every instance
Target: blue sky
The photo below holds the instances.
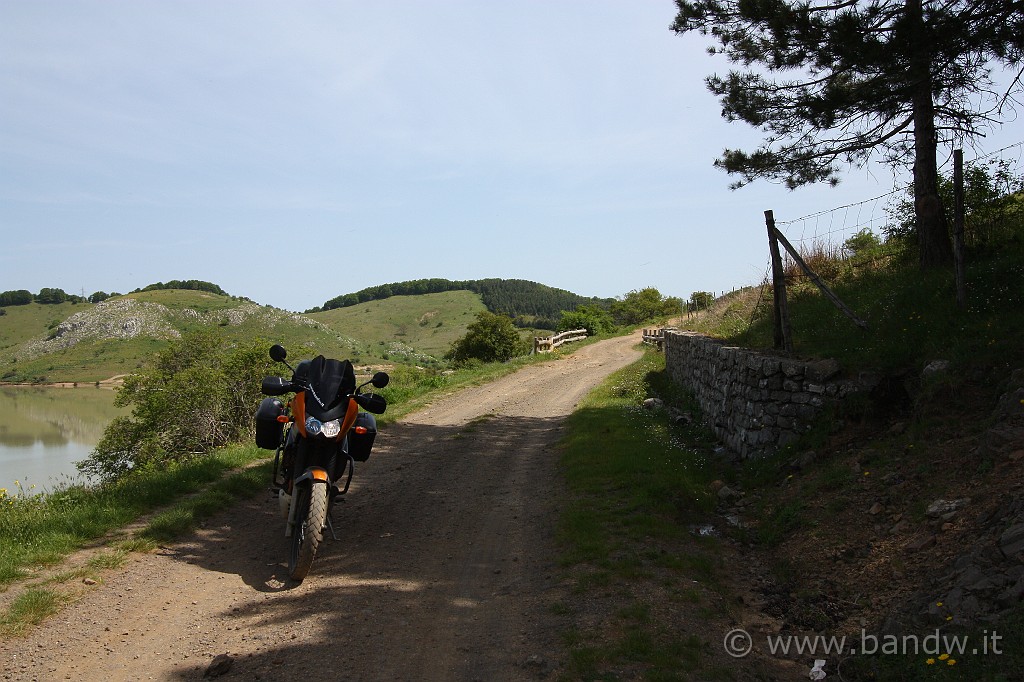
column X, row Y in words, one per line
column 292, row 152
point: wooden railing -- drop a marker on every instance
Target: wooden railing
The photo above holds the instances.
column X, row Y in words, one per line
column 655, row 337
column 546, row 344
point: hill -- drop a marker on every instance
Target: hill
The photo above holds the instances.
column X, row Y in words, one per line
column 70, row 339
column 417, row 328
column 528, row 303
column 85, row 342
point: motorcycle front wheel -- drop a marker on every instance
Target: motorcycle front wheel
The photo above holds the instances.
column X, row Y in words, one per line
column 310, row 517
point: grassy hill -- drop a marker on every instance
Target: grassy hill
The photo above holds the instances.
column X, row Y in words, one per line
column 528, row 303
column 86, row 343
column 429, row 323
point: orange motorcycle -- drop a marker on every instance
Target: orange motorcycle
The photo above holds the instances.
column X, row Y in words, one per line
column 319, row 435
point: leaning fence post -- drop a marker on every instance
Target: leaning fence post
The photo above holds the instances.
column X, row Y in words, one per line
column 782, row 333
column 829, row 294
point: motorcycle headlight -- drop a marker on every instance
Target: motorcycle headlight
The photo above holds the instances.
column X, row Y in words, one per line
column 328, row 430
column 332, row 428
column 313, row 426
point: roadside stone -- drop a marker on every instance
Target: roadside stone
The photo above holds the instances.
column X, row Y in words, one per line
column 220, row 665
column 1012, row 595
column 935, row 367
column 988, row 585
column 876, row 509
column 538, row 665
column 921, row 543
column 1003, row 439
column 941, row 508
column 900, row 527
column 1011, row 542
column 822, row 370
column 1010, row 403
column 728, row 495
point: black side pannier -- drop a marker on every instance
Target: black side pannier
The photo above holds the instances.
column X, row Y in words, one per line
column 268, row 429
column 359, row 444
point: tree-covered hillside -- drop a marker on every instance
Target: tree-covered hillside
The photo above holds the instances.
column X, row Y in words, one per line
column 529, row 304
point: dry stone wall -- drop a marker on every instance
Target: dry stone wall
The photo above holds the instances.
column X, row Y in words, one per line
column 755, row 402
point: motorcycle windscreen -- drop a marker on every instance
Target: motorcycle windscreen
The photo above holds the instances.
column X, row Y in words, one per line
column 331, row 381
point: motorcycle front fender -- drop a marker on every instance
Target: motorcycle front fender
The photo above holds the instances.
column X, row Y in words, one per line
column 309, row 477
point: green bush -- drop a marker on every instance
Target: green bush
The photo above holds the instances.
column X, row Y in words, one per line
column 645, row 305
column 595, row 319
column 199, row 394
column 492, row 338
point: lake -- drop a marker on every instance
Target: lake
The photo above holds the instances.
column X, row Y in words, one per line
column 44, row 431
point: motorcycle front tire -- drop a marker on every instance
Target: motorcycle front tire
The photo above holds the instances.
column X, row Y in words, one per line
column 310, row 518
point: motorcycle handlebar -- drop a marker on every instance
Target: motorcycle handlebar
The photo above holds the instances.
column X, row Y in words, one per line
column 371, row 402
column 276, row 386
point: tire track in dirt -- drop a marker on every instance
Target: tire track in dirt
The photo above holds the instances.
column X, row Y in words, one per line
column 444, row 568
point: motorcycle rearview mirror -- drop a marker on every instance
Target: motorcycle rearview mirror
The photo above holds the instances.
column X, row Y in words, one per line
column 380, row 380
column 278, row 354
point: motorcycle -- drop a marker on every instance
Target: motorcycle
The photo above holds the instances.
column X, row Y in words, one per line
column 318, row 437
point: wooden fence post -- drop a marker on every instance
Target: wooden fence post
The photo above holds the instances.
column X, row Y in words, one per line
column 783, row 335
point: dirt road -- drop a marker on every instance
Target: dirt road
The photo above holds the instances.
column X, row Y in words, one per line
column 444, row 569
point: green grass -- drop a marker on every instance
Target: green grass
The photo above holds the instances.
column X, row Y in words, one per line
column 912, row 315
column 186, row 514
column 636, row 483
column 30, row 608
column 42, row 529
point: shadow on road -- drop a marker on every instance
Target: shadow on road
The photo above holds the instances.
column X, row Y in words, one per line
column 444, row 566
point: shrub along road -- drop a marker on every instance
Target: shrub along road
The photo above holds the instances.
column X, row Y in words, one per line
column 445, row 567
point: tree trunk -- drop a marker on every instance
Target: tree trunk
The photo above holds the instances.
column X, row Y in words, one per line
column 936, row 250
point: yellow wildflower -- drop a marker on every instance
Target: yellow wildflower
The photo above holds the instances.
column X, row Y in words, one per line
column 930, row 661
column 943, row 657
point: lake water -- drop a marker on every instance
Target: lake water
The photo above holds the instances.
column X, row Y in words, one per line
column 44, row 431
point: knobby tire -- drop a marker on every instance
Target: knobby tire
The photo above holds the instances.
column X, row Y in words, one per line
column 311, row 514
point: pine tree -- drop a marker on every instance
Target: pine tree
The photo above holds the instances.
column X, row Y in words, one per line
column 895, row 78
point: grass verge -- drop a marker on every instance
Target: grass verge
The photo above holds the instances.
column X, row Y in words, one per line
column 40, row 530
column 638, row 483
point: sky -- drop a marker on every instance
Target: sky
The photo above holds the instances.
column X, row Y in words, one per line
column 291, row 152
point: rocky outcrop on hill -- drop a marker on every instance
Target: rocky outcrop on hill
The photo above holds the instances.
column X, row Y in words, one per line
column 128, row 318
column 123, row 318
